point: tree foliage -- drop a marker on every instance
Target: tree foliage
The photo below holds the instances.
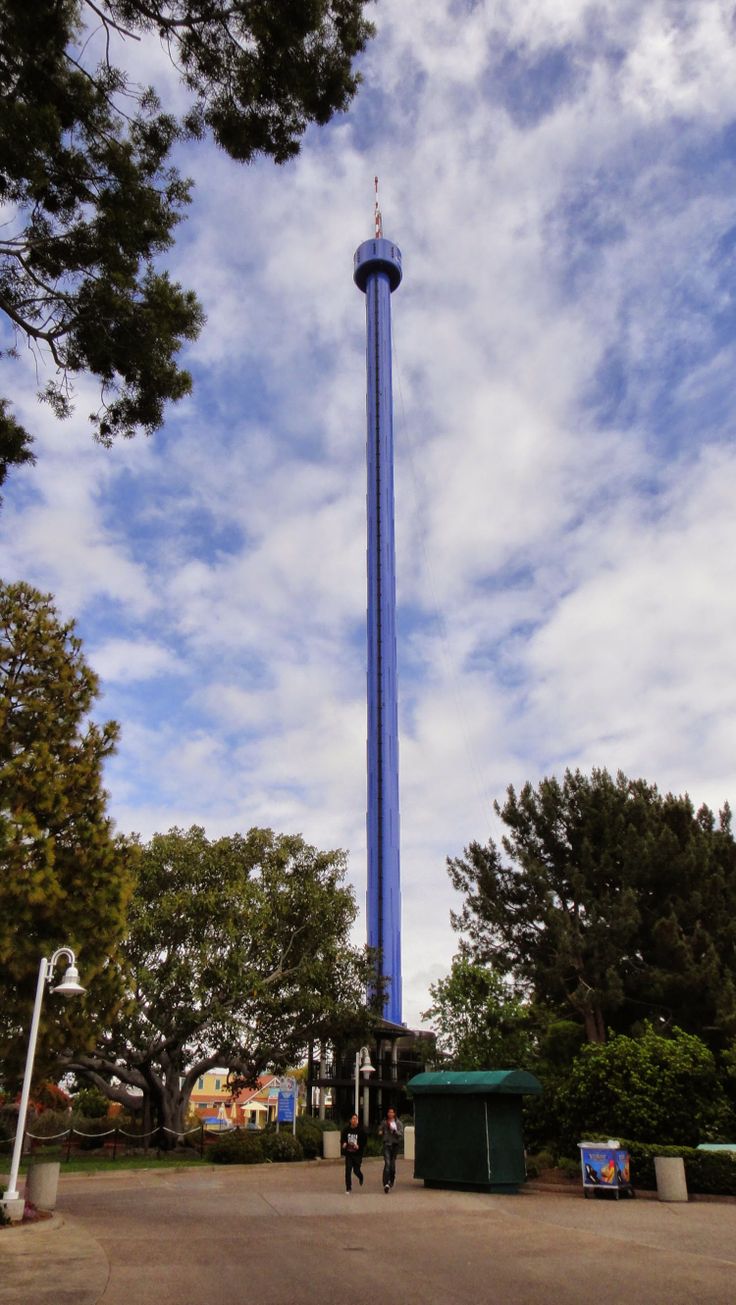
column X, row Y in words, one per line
column 616, row 903
column 480, row 1021
column 650, row 1088
column 91, row 196
column 65, row 878
column 237, row 953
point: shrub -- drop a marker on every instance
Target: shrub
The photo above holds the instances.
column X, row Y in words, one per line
column 91, row 1103
column 649, row 1086
column 309, row 1131
column 711, row 1173
column 49, row 1124
column 239, row 1148
column 569, row 1168
column 282, row 1147
column 49, row 1096
column 90, row 1133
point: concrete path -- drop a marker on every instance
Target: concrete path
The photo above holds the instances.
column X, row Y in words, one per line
column 288, row 1235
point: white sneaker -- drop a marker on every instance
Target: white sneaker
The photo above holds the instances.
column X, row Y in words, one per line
column 386, row 1188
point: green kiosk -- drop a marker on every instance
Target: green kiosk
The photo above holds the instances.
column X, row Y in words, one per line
column 468, row 1128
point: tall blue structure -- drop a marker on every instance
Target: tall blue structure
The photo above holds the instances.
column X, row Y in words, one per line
column 377, row 273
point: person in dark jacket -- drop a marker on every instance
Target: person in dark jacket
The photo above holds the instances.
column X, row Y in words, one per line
column 391, row 1130
column 352, row 1144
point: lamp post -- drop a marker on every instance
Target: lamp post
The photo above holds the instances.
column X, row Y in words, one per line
column 362, row 1066
column 69, row 987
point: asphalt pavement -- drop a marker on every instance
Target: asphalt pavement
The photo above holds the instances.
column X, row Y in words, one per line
column 288, row 1234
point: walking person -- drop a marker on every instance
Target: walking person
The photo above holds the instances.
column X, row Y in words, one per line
column 391, row 1130
column 352, row 1144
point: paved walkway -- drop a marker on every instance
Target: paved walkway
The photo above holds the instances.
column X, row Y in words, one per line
column 288, row 1235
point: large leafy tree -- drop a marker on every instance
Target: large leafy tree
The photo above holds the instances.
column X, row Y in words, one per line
column 65, row 878
column 610, row 901
column 479, row 1020
column 237, row 953
column 90, row 196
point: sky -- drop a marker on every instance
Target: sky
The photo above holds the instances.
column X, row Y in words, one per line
column 560, row 176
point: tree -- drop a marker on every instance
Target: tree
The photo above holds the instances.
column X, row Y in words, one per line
column 480, row 1021
column 618, row 904
column 92, row 197
column 237, row 952
column 647, row 1089
column 65, row 878
column 15, row 443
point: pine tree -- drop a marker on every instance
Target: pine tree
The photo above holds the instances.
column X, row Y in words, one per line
column 90, row 192
column 65, row 878
column 611, row 901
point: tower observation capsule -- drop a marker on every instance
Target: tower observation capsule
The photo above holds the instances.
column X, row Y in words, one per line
column 377, row 272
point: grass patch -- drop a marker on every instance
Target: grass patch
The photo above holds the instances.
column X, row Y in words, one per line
column 95, row 1164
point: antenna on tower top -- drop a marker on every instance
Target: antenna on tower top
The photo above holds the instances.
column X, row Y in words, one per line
column 379, row 219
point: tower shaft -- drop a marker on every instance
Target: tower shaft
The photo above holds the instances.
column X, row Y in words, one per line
column 378, row 272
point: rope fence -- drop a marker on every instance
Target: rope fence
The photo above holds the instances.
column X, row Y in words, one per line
column 115, row 1133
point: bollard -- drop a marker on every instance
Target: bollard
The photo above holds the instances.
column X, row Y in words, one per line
column 409, row 1142
column 671, row 1182
column 331, row 1144
column 42, row 1184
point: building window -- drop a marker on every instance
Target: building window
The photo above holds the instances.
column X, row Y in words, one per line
column 200, row 1085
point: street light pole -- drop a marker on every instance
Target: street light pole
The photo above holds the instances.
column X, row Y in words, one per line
column 362, row 1066
column 69, row 987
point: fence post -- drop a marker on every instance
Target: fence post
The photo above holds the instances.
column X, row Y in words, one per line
column 115, row 1144
column 201, row 1141
column 69, row 1145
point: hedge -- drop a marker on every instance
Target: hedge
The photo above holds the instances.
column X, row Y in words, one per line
column 244, row 1148
column 282, row 1146
column 711, row 1173
column 238, row 1149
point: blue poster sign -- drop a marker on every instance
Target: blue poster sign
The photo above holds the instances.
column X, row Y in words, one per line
column 285, row 1113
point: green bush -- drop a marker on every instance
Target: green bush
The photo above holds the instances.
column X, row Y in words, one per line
column 649, row 1086
column 241, row 1148
column 90, row 1134
column 282, row 1147
column 49, row 1124
column 309, row 1131
column 570, row 1168
column 712, row 1173
column 91, row 1103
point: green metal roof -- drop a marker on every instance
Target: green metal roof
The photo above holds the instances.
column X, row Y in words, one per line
column 479, row 1082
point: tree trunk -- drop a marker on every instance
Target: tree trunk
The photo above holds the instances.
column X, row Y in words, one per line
column 595, row 1025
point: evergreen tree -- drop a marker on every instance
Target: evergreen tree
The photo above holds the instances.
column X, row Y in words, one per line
column 65, row 878
column 91, row 197
column 615, row 903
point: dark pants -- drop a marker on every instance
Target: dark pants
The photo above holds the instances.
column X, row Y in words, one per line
column 353, row 1161
column 390, row 1152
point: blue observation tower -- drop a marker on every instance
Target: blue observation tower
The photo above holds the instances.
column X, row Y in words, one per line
column 377, row 273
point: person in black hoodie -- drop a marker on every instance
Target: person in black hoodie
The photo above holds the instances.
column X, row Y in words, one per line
column 352, row 1144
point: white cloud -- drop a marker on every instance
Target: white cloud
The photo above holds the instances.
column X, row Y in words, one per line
column 125, row 661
